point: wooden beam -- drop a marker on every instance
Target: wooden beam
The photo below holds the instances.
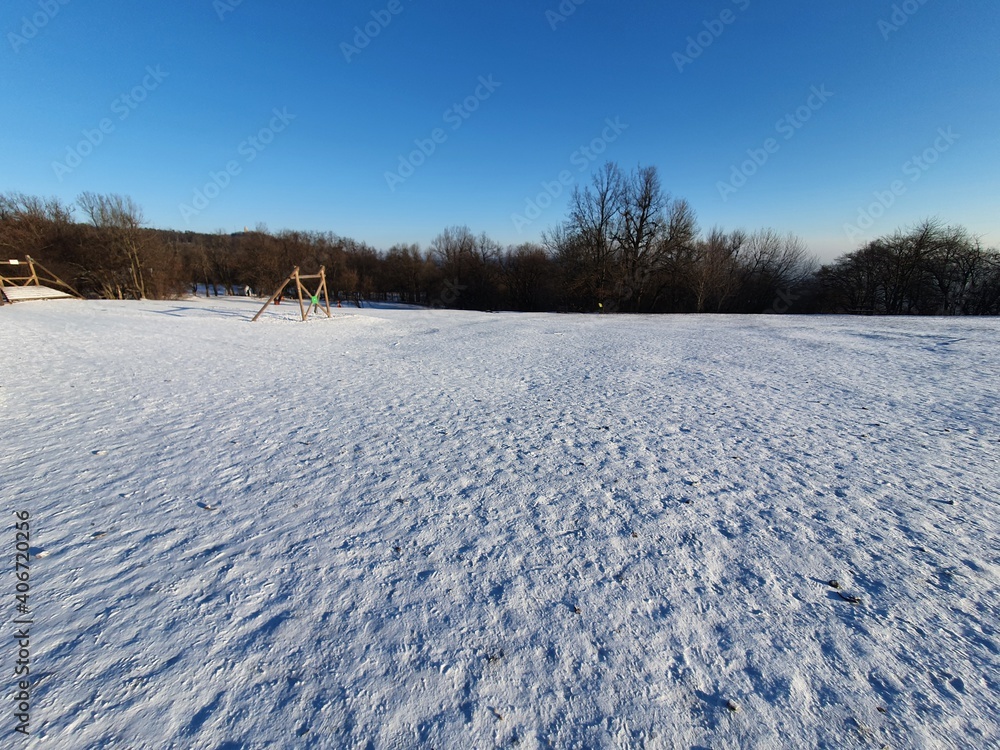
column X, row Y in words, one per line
column 52, row 277
column 302, row 292
column 323, row 289
column 34, row 281
column 275, row 295
column 298, row 283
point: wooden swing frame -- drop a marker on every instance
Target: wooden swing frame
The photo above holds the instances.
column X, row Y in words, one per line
column 303, row 294
column 43, row 283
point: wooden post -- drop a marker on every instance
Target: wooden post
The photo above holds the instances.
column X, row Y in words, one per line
column 322, row 288
column 276, row 294
column 52, row 276
column 302, row 291
column 298, row 284
column 47, row 280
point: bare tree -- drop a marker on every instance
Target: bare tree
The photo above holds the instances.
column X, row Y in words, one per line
column 27, row 222
column 926, row 269
column 593, row 225
column 404, row 268
column 771, row 264
column 624, row 234
column 675, row 247
column 639, row 237
column 118, row 221
column 453, row 249
column 528, row 275
column 714, row 273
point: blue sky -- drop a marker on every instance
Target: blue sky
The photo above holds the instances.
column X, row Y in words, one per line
column 389, row 120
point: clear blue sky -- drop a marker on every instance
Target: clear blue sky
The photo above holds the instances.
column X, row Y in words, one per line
column 221, row 69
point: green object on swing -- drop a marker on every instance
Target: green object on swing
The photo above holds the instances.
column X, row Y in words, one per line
column 315, row 300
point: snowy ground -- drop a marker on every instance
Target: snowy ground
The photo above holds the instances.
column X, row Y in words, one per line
column 405, row 528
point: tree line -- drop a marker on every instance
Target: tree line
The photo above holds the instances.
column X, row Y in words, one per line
column 626, row 245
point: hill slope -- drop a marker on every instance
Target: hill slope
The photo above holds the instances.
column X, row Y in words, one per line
column 444, row 529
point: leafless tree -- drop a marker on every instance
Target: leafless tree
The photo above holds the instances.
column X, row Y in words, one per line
column 593, row 225
column 27, row 222
column 714, row 273
column 528, row 276
column 771, row 264
column 118, row 221
column 927, row 269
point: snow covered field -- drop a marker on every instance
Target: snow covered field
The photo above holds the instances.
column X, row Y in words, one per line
column 409, row 528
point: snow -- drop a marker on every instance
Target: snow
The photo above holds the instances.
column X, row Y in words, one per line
column 416, row 528
column 31, row 292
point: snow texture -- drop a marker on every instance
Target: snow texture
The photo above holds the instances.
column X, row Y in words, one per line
column 415, row 528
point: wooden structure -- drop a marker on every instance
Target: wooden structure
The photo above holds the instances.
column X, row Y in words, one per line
column 304, row 294
column 30, row 280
